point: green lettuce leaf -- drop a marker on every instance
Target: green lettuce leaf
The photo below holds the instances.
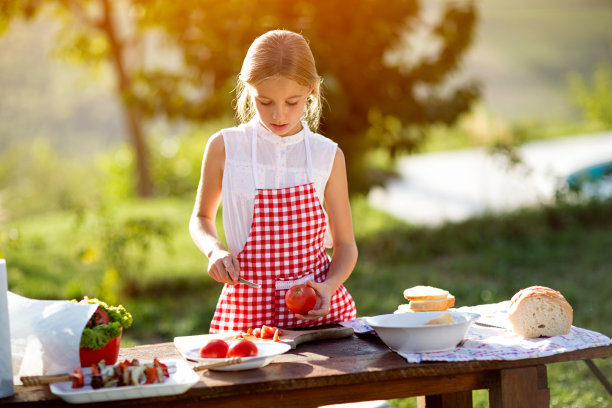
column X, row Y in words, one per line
column 98, row 336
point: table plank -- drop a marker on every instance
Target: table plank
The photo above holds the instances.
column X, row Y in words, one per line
column 336, row 371
column 450, row 400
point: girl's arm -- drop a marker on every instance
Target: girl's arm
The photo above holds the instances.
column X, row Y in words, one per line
column 344, row 256
column 222, row 265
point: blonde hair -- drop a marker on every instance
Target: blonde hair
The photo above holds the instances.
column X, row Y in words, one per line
column 279, row 53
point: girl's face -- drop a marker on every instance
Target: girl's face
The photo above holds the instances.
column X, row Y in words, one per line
column 279, row 103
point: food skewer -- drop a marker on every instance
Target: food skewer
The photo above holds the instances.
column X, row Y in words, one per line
column 226, row 362
column 33, row 380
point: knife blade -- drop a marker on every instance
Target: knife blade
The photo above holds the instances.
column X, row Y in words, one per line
column 251, row 284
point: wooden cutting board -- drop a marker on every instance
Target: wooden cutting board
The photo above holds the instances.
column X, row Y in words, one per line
column 293, row 337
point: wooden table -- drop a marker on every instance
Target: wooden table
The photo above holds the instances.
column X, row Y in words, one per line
column 359, row 368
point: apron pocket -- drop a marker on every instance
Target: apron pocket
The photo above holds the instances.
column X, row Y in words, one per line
column 286, row 284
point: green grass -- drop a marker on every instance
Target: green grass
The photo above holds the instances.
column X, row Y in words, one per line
column 482, row 260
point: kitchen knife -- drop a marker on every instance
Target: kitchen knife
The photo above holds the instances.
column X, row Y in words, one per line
column 251, row 284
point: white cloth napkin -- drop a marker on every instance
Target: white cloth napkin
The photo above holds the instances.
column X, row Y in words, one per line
column 496, row 341
column 489, row 343
column 45, row 334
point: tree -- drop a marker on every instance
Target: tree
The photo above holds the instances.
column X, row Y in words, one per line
column 87, row 23
column 377, row 97
column 373, row 101
column 594, row 99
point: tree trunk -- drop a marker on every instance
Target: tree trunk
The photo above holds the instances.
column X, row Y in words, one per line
column 130, row 113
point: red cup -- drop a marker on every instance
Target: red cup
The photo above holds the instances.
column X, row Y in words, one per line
column 108, row 353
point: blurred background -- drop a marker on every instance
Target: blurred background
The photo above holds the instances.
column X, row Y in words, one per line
column 106, row 106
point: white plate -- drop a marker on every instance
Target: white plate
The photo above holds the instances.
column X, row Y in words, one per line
column 178, row 382
column 266, row 353
column 407, row 332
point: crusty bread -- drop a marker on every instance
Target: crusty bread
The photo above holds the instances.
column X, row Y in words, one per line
column 444, row 318
column 539, row 311
column 425, row 293
column 428, row 305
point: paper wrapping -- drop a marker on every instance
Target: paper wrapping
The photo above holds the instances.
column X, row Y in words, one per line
column 45, row 335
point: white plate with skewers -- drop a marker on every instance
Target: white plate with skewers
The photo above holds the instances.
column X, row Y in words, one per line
column 181, row 378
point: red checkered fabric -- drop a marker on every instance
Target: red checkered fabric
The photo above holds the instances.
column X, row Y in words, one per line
column 285, row 247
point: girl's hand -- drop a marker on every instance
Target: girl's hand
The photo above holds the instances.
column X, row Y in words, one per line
column 323, row 305
column 224, row 267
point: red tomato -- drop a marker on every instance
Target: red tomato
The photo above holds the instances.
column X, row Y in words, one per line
column 216, row 348
column 301, row 299
column 242, row 348
column 78, row 379
column 257, row 332
column 276, row 335
column 267, row 332
column 151, row 373
column 99, row 317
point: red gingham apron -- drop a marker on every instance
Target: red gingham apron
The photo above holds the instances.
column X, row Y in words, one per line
column 284, row 247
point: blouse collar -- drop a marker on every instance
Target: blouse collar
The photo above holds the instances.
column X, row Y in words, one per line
column 276, row 139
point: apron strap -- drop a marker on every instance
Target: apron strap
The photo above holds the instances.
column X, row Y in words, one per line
column 254, row 153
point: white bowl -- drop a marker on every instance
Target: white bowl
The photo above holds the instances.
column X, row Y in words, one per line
column 407, row 332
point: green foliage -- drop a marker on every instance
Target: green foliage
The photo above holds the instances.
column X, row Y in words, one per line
column 124, row 244
column 594, row 99
column 176, row 158
column 35, row 179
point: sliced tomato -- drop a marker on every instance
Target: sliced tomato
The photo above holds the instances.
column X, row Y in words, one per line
column 78, row 380
column 151, row 374
column 257, row 332
column 276, row 335
column 249, row 331
column 267, row 332
column 162, row 365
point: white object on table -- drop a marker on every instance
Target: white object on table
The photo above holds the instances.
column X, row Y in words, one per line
column 45, row 335
column 6, row 365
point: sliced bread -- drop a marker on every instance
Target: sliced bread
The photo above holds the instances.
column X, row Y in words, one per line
column 445, row 318
column 427, row 305
column 432, row 305
column 425, row 293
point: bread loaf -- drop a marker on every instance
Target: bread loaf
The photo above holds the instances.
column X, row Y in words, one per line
column 539, row 311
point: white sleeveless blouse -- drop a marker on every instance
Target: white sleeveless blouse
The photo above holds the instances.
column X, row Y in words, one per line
column 281, row 163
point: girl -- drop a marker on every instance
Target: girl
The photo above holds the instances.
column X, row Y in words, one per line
column 272, row 174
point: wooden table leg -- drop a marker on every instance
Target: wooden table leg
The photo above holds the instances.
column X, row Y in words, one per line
column 521, row 387
column 461, row 399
